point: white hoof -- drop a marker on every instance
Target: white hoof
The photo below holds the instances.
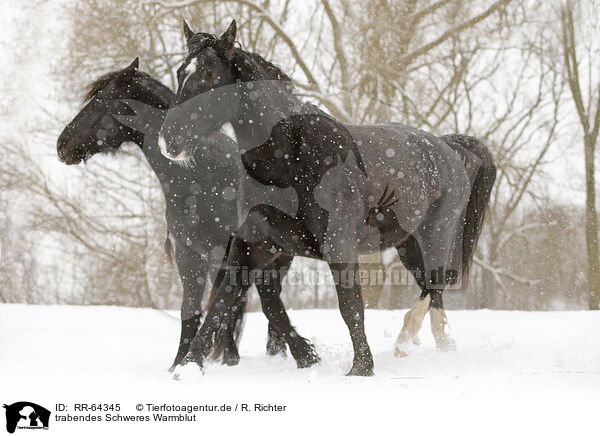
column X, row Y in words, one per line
column 406, row 347
column 408, row 338
column 439, row 328
column 447, row 344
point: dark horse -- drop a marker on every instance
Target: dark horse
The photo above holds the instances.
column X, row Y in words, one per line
column 193, row 195
column 442, row 187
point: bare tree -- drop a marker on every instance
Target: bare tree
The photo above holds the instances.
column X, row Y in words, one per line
column 588, row 111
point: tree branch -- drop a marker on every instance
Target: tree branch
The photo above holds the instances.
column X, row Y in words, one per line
column 276, row 27
column 408, row 58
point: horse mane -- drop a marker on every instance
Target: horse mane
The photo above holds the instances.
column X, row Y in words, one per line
column 128, row 74
column 248, row 66
column 252, row 66
column 200, row 41
column 100, row 83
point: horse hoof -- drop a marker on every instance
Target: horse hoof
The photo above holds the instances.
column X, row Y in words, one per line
column 188, row 372
column 308, row 358
column 231, row 360
column 308, row 361
column 359, row 370
column 406, row 347
column 172, row 368
column 192, row 358
column 400, row 353
column 276, row 348
column 362, row 364
column 448, row 344
column 277, row 352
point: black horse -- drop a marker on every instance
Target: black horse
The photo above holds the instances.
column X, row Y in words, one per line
column 442, row 186
column 193, row 195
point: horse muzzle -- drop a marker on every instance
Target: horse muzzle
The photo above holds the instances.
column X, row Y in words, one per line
column 66, row 153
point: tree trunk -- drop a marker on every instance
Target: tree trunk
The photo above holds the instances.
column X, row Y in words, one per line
column 487, row 297
column 591, row 228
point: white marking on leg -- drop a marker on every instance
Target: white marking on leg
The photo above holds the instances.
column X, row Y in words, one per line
column 440, row 330
column 413, row 320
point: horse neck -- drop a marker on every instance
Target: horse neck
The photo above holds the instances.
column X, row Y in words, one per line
column 148, row 141
column 159, row 164
column 264, row 114
column 155, row 90
column 151, row 151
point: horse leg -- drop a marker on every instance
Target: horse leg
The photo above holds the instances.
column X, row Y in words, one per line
column 225, row 339
column 351, row 307
column 413, row 320
column 227, row 336
column 266, row 228
column 231, row 355
column 300, row 348
column 276, row 343
column 410, row 255
column 439, row 323
column 252, row 249
column 189, row 327
column 441, row 236
column 225, row 303
column 192, row 271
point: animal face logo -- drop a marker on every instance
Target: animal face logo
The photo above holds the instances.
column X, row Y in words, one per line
column 26, row 415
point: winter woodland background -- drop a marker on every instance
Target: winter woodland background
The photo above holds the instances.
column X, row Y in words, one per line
column 522, row 75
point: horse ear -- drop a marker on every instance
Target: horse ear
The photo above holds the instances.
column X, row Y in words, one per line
column 227, row 39
column 187, row 31
column 135, row 64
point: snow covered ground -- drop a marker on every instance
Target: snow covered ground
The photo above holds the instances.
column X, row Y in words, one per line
column 523, row 372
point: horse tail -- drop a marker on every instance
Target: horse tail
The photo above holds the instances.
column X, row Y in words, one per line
column 479, row 199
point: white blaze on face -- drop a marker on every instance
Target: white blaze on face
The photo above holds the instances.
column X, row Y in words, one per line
column 189, row 70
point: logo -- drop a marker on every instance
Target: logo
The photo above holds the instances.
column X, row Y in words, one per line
column 26, row 415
